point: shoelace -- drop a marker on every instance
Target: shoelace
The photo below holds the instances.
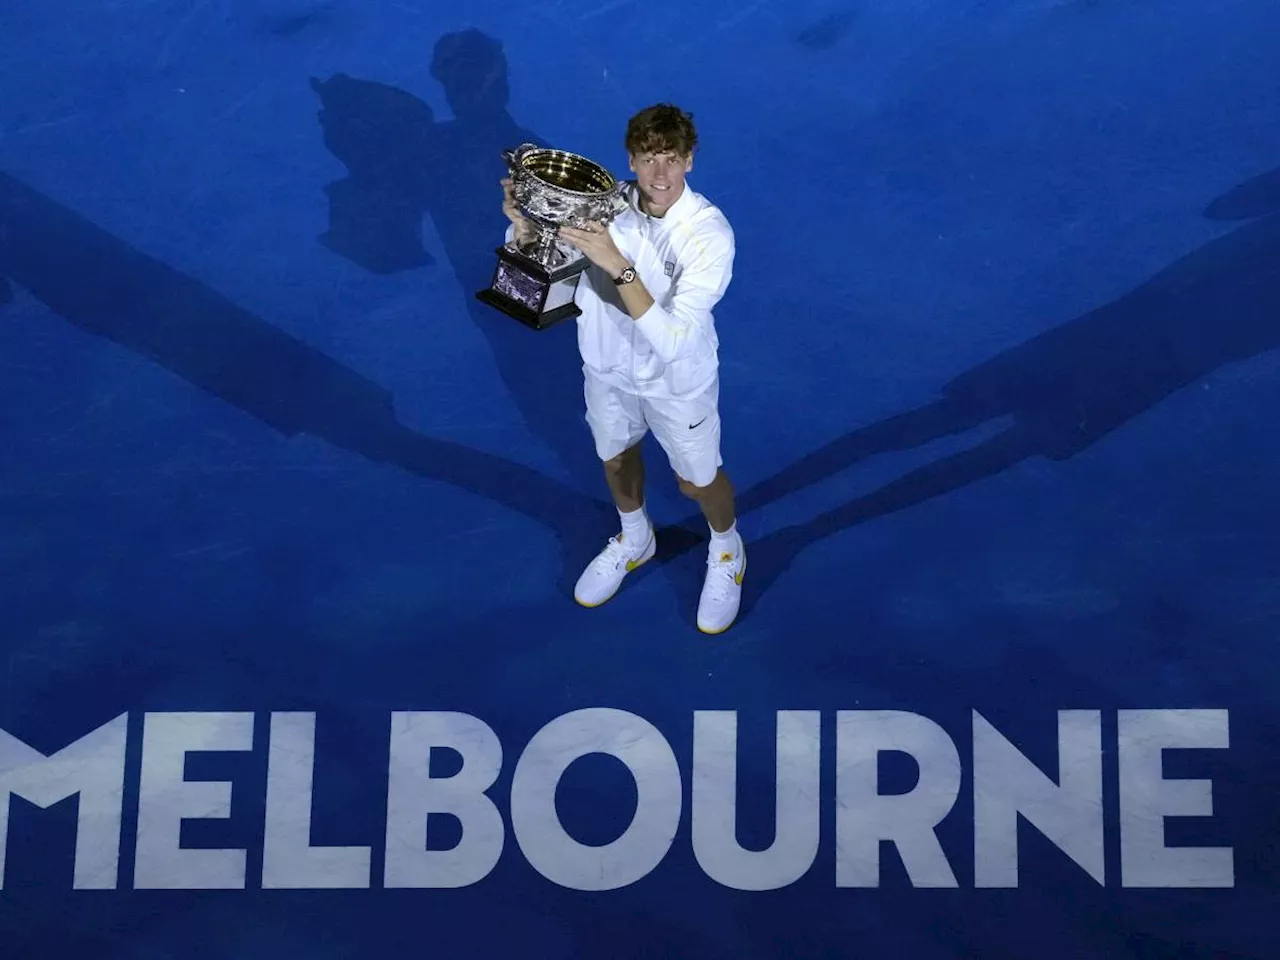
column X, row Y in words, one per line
column 720, row 583
column 615, row 554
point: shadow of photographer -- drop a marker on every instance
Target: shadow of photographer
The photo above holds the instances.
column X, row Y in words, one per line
column 403, row 165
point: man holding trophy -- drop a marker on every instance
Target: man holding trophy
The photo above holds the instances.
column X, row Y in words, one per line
column 653, row 265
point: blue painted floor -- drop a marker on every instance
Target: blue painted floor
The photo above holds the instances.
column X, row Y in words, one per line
column 285, row 507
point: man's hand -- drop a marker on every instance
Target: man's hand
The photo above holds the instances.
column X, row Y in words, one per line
column 598, row 246
column 524, row 229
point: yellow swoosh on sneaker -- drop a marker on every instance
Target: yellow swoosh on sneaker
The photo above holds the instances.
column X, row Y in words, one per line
column 737, row 577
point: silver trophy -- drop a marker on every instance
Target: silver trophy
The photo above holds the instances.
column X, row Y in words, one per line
column 535, row 282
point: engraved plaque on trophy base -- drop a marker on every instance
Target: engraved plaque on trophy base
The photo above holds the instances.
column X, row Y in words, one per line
column 526, row 290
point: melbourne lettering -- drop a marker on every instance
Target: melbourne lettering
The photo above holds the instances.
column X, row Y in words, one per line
column 1064, row 805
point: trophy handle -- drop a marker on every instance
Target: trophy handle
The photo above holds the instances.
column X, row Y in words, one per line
column 514, row 155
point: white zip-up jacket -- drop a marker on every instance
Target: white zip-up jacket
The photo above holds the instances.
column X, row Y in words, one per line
column 685, row 260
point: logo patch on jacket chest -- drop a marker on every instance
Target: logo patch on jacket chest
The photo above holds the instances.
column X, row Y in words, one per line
column 669, row 268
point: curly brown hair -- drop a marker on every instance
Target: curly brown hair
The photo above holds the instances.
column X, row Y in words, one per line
column 661, row 128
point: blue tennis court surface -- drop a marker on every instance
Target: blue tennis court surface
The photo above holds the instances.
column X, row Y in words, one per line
column 291, row 520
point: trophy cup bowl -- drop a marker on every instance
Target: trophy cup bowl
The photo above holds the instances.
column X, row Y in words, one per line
column 535, row 282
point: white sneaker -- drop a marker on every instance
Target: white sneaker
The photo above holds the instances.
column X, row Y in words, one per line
column 604, row 574
column 722, row 589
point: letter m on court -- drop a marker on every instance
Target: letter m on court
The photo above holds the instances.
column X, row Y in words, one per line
column 92, row 768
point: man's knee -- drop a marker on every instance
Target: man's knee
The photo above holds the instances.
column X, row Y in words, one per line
column 624, row 461
column 695, row 491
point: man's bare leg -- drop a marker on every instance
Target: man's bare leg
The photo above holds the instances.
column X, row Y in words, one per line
column 635, row 546
column 715, row 500
column 726, row 560
column 625, row 476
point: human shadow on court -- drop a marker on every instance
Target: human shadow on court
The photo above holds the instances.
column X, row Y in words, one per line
column 107, row 288
column 1065, row 389
column 403, row 165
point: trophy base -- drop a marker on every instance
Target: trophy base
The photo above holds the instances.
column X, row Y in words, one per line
column 525, row 290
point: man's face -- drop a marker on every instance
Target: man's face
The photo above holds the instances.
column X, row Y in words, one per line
column 660, row 176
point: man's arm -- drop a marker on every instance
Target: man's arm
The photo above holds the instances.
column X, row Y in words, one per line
column 635, row 295
column 675, row 332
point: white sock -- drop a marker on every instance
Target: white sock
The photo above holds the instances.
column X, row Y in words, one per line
column 726, row 542
column 635, row 527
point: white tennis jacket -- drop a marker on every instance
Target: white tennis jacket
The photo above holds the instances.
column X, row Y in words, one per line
column 685, row 260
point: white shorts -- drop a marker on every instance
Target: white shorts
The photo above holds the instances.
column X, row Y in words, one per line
column 688, row 430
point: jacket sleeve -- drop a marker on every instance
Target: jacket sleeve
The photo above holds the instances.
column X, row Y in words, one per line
column 680, row 330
